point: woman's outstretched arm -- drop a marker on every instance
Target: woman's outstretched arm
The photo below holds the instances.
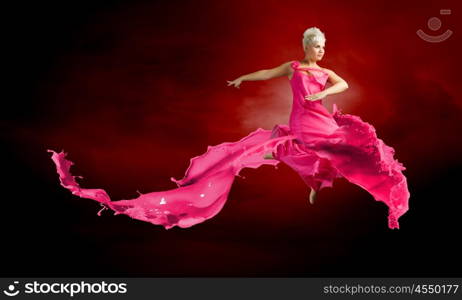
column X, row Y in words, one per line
column 282, row 70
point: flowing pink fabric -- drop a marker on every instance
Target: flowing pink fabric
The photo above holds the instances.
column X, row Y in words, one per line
column 318, row 145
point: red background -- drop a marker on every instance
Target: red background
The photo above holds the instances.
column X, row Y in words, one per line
column 133, row 89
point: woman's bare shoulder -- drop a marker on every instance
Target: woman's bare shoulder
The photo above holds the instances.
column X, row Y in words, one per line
column 329, row 71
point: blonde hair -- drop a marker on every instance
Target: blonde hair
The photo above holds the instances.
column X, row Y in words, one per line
column 311, row 35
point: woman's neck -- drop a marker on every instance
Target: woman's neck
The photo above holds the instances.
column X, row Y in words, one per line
column 309, row 63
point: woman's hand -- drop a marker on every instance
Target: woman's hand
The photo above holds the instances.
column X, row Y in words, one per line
column 316, row 96
column 236, row 82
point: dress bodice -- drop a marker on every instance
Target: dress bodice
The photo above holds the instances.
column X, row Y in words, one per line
column 309, row 120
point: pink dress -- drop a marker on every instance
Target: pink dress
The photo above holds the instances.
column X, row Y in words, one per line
column 318, row 145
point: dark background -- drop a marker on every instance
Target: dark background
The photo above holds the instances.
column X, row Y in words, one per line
column 131, row 90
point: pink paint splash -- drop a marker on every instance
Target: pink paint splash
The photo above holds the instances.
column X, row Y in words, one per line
column 318, row 145
column 200, row 195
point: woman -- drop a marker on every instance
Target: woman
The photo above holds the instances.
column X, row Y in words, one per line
column 314, row 43
column 318, row 145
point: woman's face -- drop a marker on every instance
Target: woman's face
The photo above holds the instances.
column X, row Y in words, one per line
column 315, row 51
